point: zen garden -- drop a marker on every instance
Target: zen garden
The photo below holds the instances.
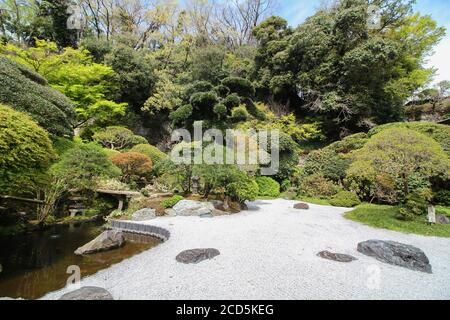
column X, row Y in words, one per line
column 95, row 205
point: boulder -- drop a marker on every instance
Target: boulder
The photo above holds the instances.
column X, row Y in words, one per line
column 193, row 208
column 301, row 206
column 196, row 255
column 440, row 219
column 144, row 215
column 339, row 257
column 110, row 239
column 88, row 293
column 395, row 253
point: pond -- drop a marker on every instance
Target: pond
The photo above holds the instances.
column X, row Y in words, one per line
column 36, row 263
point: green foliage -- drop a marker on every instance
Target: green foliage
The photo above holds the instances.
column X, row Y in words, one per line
column 216, row 177
column 118, row 138
column 416, row 204
column 242, row 87
column 220, row 110
column 171, row 202
column 204, row 102
column 285, row 185
column 394, row 163
column 26, row 91
column 83, row 166
column 317, row 186
column 239, row 114
column 232, row 101
column 349, row 144
column 439, row 132
column 345, row 199
column 207, row 64
column 268, row 187
column 182, row 114
column 442, row 197
column 327, row 163
column 150, row 151
column 25, row 152
column 246, row 189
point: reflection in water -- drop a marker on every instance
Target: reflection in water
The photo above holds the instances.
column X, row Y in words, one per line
column 36, row 263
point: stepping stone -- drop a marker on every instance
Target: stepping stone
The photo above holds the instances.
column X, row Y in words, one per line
column 301, row 206
column 397, row 254
column 196, row 255
column 339, row 257
column 88, row 293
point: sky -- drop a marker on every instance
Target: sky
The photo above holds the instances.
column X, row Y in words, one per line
column 296, row 11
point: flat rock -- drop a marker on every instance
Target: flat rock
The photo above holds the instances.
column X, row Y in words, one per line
column 440, row 219
column 197, row 255
column 301, row 206
column 397, row 254
column 108, row 240
column 88, row 293
column 339, row 257
column 144, row 215
column 193, row 208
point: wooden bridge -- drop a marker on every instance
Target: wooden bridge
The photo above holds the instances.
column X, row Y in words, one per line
column 122, row 196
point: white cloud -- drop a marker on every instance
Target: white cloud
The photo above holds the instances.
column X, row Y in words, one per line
column 441, row 60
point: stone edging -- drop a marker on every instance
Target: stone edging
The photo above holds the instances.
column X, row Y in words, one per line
column 138, row 228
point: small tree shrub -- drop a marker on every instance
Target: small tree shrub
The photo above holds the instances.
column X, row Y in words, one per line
column 25, row 152
column 241, row 86
column 150, row 151
column 285, row 185
column 232, row 101
column 318, row 186
column 246, row 189
column 442, row 197
column 181, row 114
column 118, row 138
column 345, row 199
column 416, row 204
column 171, row 202
column 220, row 110
column 239, row 114
column 136, row 167
column 268, row 187
column 327, row 163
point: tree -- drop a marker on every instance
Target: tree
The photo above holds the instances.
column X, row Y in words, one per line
column 397, row 161
column 135, row 166
column 118, row 138
column 26, row 152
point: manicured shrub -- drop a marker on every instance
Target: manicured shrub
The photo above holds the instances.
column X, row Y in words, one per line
column 83, row 166
column 171, row 202
column 239, row 114
column 241, row 86
column 181, row 114
column 232, row 101
column 150, row 151
column 349, row 144
column 416, row 204
column 318, row 186
column 118, row 138
column 26, row 91
column 395, row 162
column 285, row 185
column 136, row 167
column 204, row 102
column 345, row 199
column 254, row 110
column 25, row 152
column 246, row 189
column 220, row 110
column 221, row 90
column 268, row 187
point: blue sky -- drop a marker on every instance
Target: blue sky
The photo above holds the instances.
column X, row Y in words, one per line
column 295, row 11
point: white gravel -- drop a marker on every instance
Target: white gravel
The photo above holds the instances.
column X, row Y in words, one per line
column 269, row 252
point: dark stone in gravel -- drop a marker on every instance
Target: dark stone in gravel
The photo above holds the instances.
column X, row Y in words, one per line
column 301, row 206
column 88, row 293
column 397, row 254
column 196, row 255
column 339, row 257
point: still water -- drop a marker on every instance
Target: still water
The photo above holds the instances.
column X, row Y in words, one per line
column 36, row 263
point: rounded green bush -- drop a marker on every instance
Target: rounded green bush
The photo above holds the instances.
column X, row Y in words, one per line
column 25, row 152
column 181, row 114
column 153, row 152
column 232, row 101
column 346, row 199
column 171, row 202
column 220, row 110
column 246, row 189
column 239, row 114
column 241, row 86
column 318, row 186
column 268, row 187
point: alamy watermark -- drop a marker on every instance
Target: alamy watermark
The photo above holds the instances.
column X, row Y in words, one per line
column 76, row 20
column 374, row 21
column 236, row 147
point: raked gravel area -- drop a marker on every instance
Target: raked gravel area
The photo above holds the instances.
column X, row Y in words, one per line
column 270, row 252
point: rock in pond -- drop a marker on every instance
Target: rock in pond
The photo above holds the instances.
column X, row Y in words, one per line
column 193, row 208
column 440, row 219
column 144, row 215
column 88, row 293
column 301, row 206
column 197, row 255
column 339, row 257
column 397, row 254
column 108, row 240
